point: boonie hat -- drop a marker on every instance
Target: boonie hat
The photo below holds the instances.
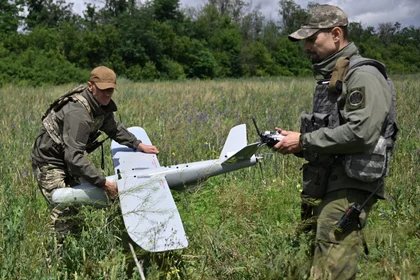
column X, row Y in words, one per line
column 320, row 17
column 103, row 77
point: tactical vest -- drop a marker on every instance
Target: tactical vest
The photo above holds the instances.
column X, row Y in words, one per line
column 51, row 121
column 327, row 104
column 325, row 114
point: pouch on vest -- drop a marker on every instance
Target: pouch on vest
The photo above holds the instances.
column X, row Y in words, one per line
column 369, row 166
column 315, row 179
column 312, row 122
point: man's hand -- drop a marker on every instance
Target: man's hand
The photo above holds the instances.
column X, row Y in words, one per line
column 289, row 144
column 148, row 149
column 111, row 190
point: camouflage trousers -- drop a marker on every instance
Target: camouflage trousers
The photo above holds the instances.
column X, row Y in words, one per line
column 336, row 253
column 49, row 178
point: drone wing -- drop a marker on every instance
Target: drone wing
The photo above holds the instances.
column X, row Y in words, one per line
column 149, row 211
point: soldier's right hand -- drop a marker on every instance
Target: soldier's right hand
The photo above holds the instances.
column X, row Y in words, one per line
column 148, row 149
column 290, row 144
column 111, row 190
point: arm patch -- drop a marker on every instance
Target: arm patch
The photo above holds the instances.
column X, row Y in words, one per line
column 356, row 99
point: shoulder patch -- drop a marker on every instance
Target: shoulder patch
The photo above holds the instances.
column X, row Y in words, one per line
column 356, row 99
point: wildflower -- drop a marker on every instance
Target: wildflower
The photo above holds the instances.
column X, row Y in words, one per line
column 174, row 271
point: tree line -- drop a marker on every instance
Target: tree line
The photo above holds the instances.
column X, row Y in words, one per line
column 44, row 42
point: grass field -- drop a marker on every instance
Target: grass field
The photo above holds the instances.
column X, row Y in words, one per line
column 240, row 225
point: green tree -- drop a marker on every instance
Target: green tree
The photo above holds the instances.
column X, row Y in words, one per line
column 292, row 16
column 9, row 16
column 166, row 10
column 47, row 13
column 155, row 39
column 355, row 32
column 252, row 26
column 232, row 8
column 196, row 58
column 90, row 16
column 387, row 30
column 226, row 46
column 115, row 8
column 257, row 61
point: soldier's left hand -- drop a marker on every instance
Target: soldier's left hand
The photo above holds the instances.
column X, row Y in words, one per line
column 289, row 144
column 148, row 149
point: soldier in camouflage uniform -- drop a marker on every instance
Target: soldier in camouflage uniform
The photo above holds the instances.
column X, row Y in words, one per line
column 69, row 126
column 346, row 140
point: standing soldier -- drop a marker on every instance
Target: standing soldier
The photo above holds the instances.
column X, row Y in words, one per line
column 69, row 127
column 347, row 141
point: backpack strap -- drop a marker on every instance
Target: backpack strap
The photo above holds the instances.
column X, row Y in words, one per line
column 346, row 65
column 50, row 119
column 62, row 100
column 367, row 61
column 81, row 99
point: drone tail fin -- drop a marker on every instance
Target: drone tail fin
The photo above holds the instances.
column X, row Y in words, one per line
column 236, row 148
column 235, row 141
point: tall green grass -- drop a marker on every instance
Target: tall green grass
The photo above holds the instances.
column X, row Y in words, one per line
column 240, row 225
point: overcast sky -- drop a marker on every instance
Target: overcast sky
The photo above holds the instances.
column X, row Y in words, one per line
column 368, row 12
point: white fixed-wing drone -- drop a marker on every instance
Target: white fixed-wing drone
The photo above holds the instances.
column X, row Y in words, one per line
column 149, row 212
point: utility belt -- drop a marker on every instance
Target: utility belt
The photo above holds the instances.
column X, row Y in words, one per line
column 365, row 167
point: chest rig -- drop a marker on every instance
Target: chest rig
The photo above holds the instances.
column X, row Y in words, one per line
column 325, row 113
column 53, row 124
